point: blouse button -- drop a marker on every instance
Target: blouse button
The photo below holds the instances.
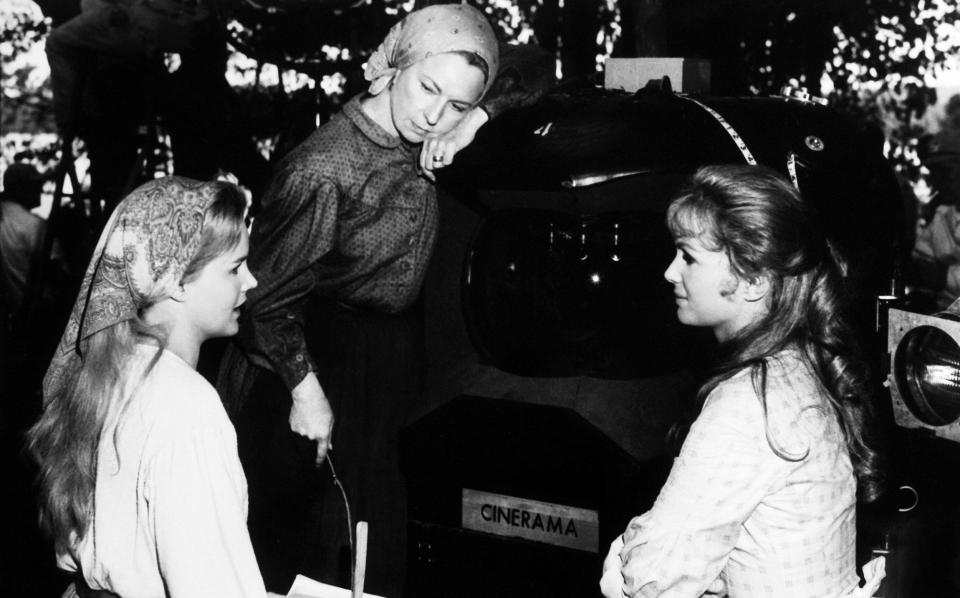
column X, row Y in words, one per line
column 299, row 357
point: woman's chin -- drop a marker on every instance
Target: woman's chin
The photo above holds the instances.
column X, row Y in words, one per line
column 412, row 136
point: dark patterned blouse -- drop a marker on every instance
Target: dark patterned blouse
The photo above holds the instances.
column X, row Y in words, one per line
column 348, row 216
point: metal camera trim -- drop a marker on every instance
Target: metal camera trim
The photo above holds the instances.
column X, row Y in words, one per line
column 901, row 323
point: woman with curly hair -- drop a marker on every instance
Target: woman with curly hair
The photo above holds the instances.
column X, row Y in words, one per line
column 762, row 498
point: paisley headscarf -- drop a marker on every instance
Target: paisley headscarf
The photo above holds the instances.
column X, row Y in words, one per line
column 149, row 241
column 433, row 30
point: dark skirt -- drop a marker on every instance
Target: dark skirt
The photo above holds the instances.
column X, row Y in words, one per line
column 371, row 369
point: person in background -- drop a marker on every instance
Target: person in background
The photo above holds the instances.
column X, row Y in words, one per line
column 21, row 232
column 935, row 266
column 108, row 77
column 141, row 488
column 35, row 288
column 762, row 499
column 331, row 346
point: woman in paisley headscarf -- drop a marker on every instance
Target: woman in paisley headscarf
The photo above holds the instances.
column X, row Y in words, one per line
column 141, row 488
column 340, row 247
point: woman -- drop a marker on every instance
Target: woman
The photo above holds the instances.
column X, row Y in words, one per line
column 141, row 487
column 340, row 248
column 762, row 498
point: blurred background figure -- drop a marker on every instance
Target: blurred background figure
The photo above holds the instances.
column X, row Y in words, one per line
column 109, row 77
column 21, row 231
column 34, row 276
column 936, row 263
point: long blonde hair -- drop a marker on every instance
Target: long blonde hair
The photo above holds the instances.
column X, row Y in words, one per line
column 760, row 221
column 65, row 440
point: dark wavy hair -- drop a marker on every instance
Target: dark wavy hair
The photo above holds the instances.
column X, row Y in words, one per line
column 758, row 218
column 65, row 440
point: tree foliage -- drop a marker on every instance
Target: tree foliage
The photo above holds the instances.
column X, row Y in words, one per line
column 871, row 58
column 873, row 55
column 329, row 46
column 26, row 98
column 882, row 61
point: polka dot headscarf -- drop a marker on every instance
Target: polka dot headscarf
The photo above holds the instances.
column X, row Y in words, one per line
column 433, row 30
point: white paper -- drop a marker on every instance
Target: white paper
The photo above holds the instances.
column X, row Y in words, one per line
column 304, row 587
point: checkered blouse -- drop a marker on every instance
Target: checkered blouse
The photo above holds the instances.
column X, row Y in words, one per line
column 767, row 524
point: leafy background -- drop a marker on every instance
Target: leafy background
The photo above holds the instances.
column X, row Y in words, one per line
column 293, row 61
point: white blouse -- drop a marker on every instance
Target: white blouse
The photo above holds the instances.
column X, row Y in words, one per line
column 735, row 510
column 171, row 499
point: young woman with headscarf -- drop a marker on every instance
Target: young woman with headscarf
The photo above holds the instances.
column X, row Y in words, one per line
column 340, row 247
column 141, row 488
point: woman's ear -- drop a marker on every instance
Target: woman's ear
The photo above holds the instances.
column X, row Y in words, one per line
column 756, row 288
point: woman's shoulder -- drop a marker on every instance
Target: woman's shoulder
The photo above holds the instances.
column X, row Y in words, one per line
column 332, row 156
column 733, row 403
column 325, row 152
column 792, row 409
column 798, row 406
column 738, row 389
column 785, row 370
column 787, row 382
column 174, row 390
column 792, row 379
column 170, row 405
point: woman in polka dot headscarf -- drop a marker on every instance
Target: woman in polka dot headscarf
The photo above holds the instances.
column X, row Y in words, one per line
column 340, row 248
column 441, row 39
column 429, row 31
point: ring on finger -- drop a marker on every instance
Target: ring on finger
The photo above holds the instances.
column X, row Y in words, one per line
column 438, row 158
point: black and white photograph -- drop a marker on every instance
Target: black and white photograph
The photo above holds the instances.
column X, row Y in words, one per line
column 480, row 298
